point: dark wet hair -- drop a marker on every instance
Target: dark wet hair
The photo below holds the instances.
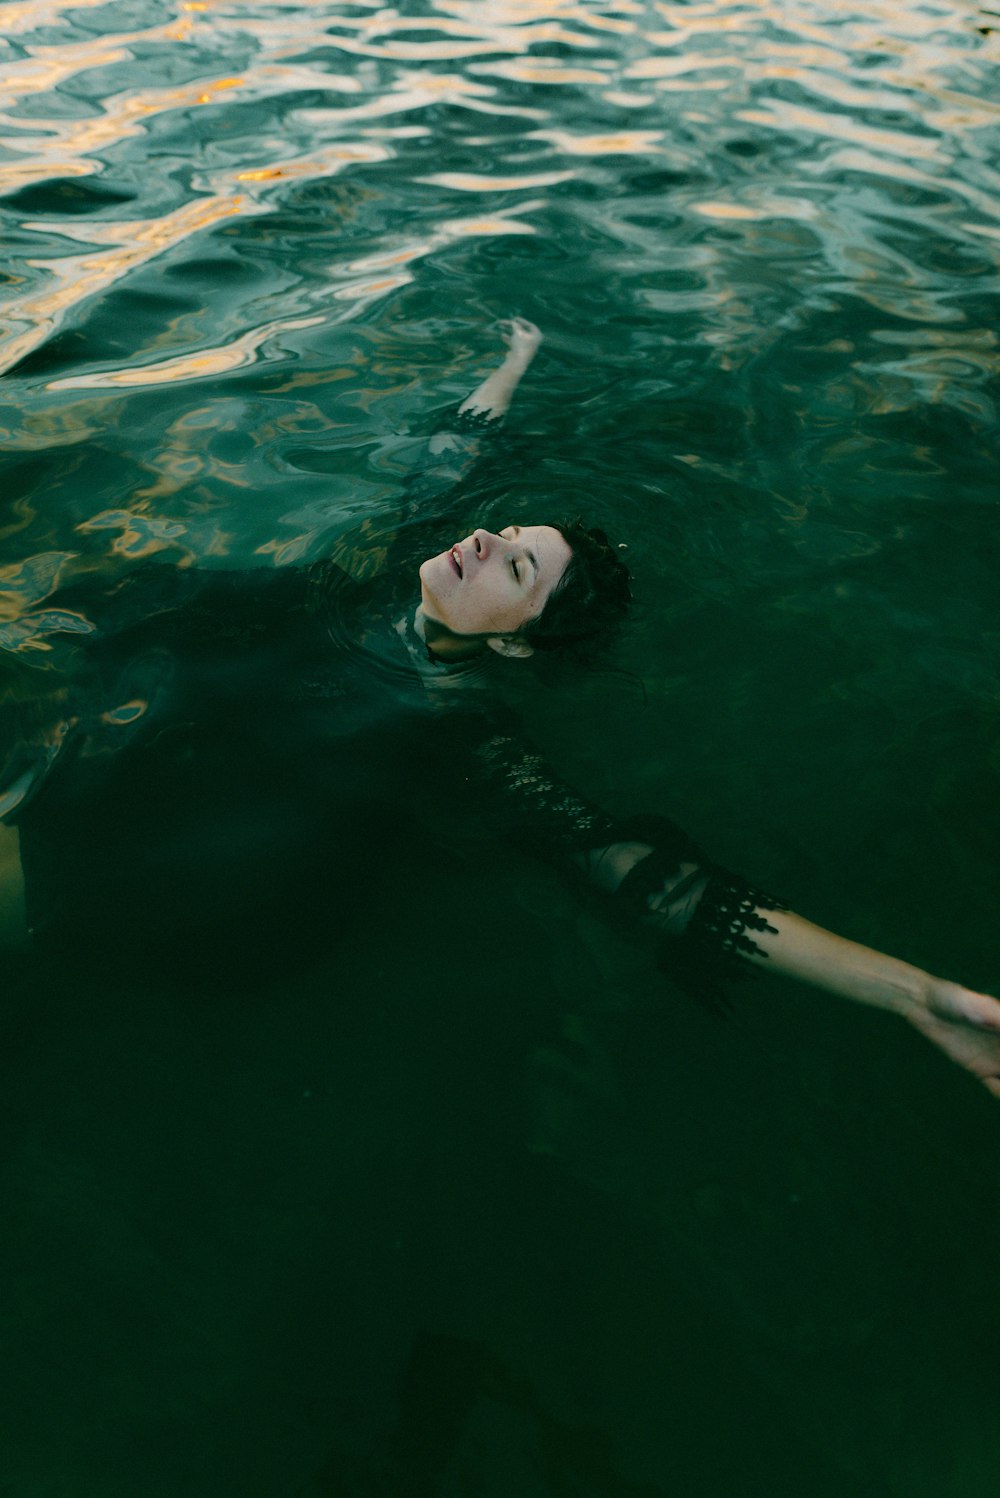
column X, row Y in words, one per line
column 592, row 596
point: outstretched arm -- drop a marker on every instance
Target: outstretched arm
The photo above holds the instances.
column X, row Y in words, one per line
column 711, row 922
column 713, row 909
column 963, row 1024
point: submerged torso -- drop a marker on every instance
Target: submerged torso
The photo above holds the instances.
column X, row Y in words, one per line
column 235, row 740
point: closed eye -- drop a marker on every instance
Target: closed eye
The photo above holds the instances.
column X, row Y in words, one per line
column 515, row 570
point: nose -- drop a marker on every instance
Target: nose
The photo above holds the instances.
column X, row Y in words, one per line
column 484, row 541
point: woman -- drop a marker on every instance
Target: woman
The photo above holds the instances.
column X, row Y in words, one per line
column 225, row 726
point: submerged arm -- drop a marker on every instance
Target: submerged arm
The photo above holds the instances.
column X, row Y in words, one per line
column 711, row 923
column 962, row 1023
column 718, row 914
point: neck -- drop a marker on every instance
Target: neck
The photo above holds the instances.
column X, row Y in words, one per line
column 441, row 642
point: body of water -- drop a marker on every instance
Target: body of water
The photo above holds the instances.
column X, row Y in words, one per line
column 383, row 1222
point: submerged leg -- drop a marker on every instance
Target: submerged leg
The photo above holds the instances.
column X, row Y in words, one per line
column 13, row 926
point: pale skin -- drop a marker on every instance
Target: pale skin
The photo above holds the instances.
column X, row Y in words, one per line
column 485, row 589
column 962, row 1023
column 481, row 600
column 494, row 395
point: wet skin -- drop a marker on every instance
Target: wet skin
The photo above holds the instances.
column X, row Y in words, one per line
column 493, row 584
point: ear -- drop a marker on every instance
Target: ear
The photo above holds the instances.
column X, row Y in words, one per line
column 510, row 645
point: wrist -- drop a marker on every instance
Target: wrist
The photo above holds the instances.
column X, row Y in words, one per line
column 517, row 360
column 909, row 994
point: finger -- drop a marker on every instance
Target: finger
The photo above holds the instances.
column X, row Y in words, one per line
column 980, row 1010
column 992, row 1084
column 984, row 1012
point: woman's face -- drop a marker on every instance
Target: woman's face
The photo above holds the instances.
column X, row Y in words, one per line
column 494, row 583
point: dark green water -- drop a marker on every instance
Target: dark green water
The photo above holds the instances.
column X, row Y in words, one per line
column 376, row 1227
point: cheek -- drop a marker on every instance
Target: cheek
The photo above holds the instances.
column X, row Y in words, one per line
column 503, row 606
column 506, row 615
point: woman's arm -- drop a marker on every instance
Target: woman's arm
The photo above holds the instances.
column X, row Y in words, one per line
column 717, row 913
column 963, row 1024
column 711, row 923
column 452, row 452
column 490, row 400
column 486, row 407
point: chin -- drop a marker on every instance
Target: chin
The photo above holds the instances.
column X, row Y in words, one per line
column 436, row 582
column 435, row 568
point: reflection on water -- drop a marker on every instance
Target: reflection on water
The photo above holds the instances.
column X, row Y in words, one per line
column 249, row 247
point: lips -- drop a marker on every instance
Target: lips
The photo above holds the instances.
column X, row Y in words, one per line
column 456, row 559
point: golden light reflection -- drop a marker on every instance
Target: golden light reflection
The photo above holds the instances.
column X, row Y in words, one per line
column 477, row 227
column 197, row 366
column 141, row 535
column 781, row 114
column 216, row 86
column 50, row 427
column 694, row 20
column 799, row 208
column 415, row 90
column 384, row 259
column 851, row 159
column 271, row 173
column 379, row 34
column 34, row 14
column 28, row 633
column 520, row 13
column 621, row 143
column 322, row 162
column 123, row 116
column 80, row 276
column 366, row 285
column 539, row 70
column 598, row 22
column 287, row 552
column 48, row 67
column 25, row 583
column 627, row 100
column 14, row 175
column 358, row 290
column 475, row 182
column 988, row 230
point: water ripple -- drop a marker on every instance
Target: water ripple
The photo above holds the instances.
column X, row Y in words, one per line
column 711, row 176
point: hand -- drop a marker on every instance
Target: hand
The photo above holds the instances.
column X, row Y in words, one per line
column 966, row 1026
column 521, row 337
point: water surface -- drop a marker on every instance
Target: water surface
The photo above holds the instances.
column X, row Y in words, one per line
column 369, row 1229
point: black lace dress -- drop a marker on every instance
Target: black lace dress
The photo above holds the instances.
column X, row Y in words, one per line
column 230, row 748
column 231, row 738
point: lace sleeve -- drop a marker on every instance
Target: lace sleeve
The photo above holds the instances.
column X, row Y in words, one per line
column 448, row 457
column 703, row 914
column 540, row 809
